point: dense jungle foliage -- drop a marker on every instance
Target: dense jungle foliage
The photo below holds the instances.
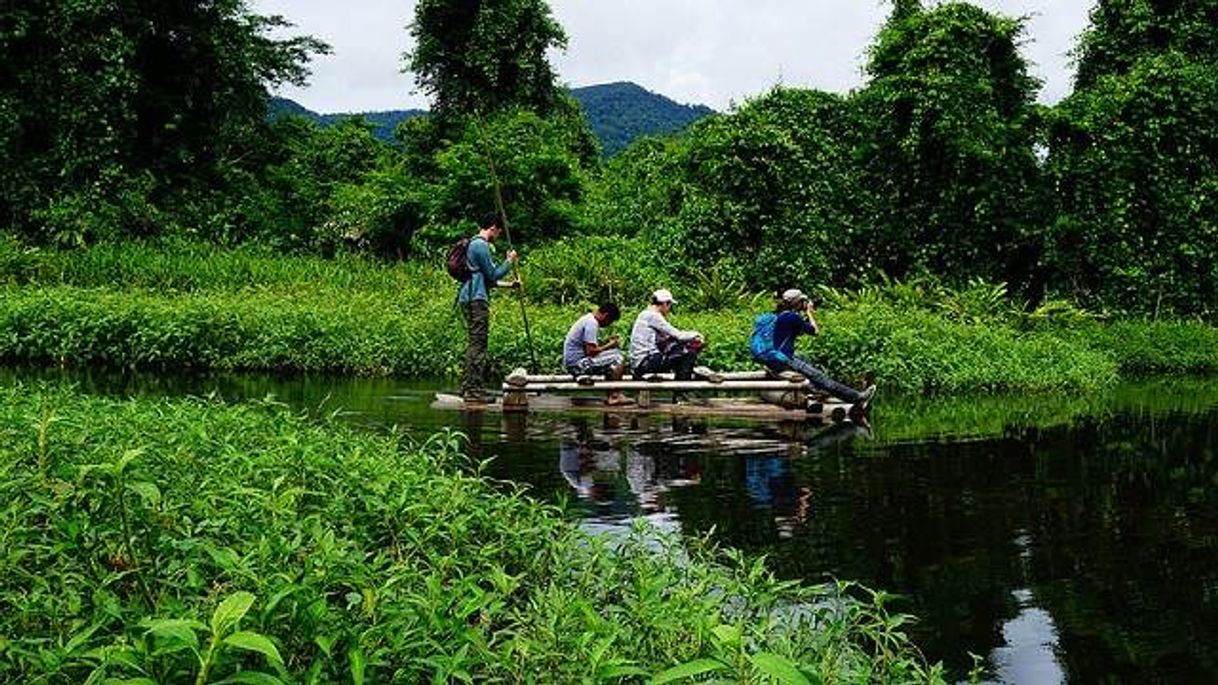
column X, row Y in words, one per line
column 128, row 119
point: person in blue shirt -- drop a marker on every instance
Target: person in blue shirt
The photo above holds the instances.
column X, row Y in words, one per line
column 795, row 318
column 474, row 298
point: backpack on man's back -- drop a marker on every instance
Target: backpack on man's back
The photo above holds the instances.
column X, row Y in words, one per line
column 761, row 342
column 456, row 260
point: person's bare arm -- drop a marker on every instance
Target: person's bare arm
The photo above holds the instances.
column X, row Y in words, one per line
column 593, row 349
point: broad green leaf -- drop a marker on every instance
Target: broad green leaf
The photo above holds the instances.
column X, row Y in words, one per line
column 621, row 671
column 279, row 597
column 157, row 625
column 779, row 669
column 179, row 630
column 80, row 639
column 254, row 642
column 128, row 457
column 129, row 681
column 251, row 678
column 230, row 612
column 325, row 643
column 356, row 658
column 728, row 635
column 149, row 492
column 688, row 670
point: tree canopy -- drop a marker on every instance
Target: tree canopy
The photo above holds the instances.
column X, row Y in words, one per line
column 1133, row 158
column 484, row 56
column 1124, row 31
column 132, row 117
column 949, row 149
column 111, row 103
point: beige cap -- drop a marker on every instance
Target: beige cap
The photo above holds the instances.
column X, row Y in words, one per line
column 661, row 296
column 794, row 295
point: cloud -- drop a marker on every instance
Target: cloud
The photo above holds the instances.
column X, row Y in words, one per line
column 712, row 52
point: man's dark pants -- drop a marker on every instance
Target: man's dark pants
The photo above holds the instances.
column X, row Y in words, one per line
column 679, row 359
column 477, row 324
column 816, row 376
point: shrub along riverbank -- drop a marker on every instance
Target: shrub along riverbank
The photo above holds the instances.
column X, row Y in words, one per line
column 176, row 541
column 187, row 306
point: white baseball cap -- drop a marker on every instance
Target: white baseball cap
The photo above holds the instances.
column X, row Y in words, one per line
column 661, row 296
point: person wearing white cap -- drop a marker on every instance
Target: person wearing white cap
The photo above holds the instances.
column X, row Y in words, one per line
column 657, row 346
column 773, row 344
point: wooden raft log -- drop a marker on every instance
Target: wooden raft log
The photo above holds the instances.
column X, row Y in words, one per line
column 744, row 408
column 792, row 394
column 517, row 378
column 569, row 385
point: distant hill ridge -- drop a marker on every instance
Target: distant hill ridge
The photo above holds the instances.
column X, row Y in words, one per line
column 617, row 113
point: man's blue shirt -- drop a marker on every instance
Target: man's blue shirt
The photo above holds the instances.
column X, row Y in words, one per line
column 484, row 272
column 789, row 326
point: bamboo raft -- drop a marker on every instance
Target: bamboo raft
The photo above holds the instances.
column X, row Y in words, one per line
column 764, row 397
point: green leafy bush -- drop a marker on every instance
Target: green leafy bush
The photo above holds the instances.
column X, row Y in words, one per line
column 541, row 166
column 587, row 269
column 771, row 185
column 947, row 146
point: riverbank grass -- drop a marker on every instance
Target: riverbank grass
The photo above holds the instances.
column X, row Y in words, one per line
column 187, row 306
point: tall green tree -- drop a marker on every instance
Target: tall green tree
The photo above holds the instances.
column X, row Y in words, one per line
column 949, row 149
column 495, row 105
column 108, row 106
column 1135, row 167
column 484, row 56
column 541, row 164
column 769, row 193
column 1123, row 31
column 1133, row 155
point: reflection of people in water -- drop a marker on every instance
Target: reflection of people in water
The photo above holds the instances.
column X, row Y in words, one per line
column 472, row 426
column 770, row 480
column 771, row 484
column 649, row 470
column 653, row 468
column 641, row 476
column 589, row 471
column 573, row 458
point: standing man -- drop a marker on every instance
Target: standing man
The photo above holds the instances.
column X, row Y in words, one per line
column 584, row 355
column 657, row 346
column 474, row 298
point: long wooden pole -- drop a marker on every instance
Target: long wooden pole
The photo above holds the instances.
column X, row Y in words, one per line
column 490, row 163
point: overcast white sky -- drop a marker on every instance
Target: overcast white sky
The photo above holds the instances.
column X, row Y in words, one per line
column 712, row 52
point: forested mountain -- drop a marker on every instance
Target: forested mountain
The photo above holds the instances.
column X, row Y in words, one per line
column 620, row 112
column 617, row 112
column 383, row 122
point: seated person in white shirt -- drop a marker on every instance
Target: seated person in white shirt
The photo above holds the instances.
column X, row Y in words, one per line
column 657, row 346
column 584, row 355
